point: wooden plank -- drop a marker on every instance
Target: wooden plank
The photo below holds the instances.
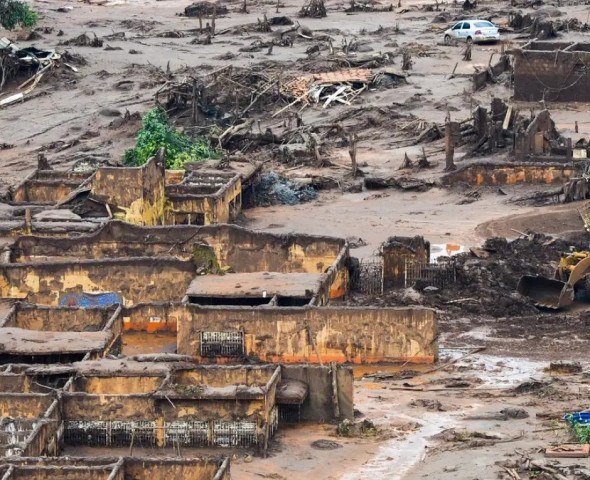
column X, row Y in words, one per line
column 507, row 118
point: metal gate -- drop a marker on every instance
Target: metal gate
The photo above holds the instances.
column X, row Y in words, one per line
column 433, row 274
column 370, row 277
column 222, row 344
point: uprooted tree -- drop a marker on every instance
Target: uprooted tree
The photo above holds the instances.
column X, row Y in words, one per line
column 14, row 13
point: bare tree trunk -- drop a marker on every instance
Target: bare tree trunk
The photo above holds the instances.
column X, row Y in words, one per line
column 352, row 152
column 450, row 128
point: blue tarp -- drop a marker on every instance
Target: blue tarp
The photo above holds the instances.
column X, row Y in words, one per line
column 90, row 299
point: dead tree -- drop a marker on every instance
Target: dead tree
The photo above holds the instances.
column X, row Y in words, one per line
column 407, row 163
column 450, row 140
column 213, row 20
column 467, row 53
column 407, row 60
column 352, row 152
column 42, row 163
column 313, row 146
column 314, row 9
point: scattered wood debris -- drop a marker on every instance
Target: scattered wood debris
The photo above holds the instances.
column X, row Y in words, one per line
column 84, row 40
column 327, row 88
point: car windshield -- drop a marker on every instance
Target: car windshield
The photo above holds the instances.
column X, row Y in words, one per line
column 483, row 24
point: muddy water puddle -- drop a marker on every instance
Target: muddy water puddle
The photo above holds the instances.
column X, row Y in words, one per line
column 396, row 457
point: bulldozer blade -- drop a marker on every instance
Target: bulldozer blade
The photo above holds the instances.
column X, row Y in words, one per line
column 546, row 292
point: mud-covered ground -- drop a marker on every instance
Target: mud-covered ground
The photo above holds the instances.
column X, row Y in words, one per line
column 442, row 424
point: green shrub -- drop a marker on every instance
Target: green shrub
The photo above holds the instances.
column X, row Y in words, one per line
column 14, row 13
column 180, row 149
column 580, row 431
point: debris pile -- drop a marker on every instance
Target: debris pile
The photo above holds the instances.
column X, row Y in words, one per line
column 314, row 9
column 336, row 87
column 84, row 40
column 486, row 278
column 205, row 9
column 16, row 62
column 360, row 6
column 273, row 189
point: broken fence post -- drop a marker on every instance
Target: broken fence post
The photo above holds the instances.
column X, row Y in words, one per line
column 450, row 140
column 335, row 400
column 352, row 152
column 194, row 104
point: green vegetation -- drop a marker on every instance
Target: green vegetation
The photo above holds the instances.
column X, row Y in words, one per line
column 156, row 133
column 580, row 431
column 14, row 13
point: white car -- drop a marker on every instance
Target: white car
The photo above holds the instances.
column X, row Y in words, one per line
column 471, row 31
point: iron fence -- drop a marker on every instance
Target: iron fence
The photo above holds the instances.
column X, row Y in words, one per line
column 433, row 274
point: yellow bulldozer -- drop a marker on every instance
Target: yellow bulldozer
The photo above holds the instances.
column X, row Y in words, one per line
column 571, row 275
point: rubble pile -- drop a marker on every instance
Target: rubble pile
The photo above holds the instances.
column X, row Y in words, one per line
column 205, row 9
column 486, row 277
column 272, row 189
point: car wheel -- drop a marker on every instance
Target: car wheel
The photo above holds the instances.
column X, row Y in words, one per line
column 469, row 40
column 447, row 39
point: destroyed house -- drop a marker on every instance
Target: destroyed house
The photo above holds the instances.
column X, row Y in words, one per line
column 193, row 407
column 115, row 468
column 30, row 416
column 146, row 195
column 204, row 198
column 108, row 404
column 58, row 334
column 125, row 263
column 552, row 72
column 47, row 187
column 230, row 294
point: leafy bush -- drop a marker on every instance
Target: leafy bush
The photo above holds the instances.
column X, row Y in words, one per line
column 14, row 13
column 156, row 133
column 580, row 430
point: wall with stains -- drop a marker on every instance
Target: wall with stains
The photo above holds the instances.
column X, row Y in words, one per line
column 511, row 174
column 241, row 249
column 59, row 319
column 319, row 404
column 137, row 279
column 396, row 251
column 30, row 405
column 548, row 72
column 47, row 187
column 185, row 203
column 136, row 469
column 135, row 194
column 308, row 334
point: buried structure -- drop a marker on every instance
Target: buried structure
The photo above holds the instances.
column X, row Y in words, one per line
column 224, row 289
column 262, row 339
column 68, row 201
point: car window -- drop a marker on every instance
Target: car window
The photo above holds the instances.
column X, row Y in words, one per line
column 483, row 24
column 457, row 26
column 466, row 26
